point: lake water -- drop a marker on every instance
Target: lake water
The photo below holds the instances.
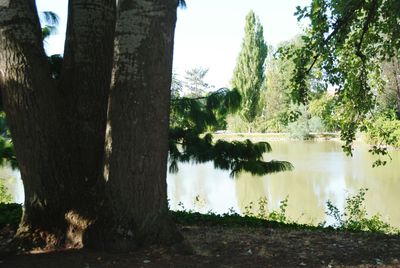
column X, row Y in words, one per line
column 322, row 172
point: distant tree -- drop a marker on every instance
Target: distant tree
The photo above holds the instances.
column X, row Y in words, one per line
column 276, row 101
column 389, row 98
column 323, row 106
column 276, row 94
column 248, row 75
column 194, row 82
column 176, row 86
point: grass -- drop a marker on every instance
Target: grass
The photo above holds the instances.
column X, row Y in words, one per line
column 236, row 220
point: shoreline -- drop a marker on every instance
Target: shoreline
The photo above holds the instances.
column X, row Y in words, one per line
column 275, row 136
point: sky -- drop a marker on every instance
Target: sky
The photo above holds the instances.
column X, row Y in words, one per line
column 208, row 33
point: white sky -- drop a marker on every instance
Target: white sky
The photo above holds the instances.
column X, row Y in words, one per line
column 208, row 32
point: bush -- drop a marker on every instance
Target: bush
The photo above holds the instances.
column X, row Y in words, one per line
column 299, row 129
column 355, row 216
column 385, row 129
column 316, row 124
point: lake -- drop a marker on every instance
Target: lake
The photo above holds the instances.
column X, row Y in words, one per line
column 322, row 172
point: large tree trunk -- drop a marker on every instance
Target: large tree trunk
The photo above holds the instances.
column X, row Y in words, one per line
column 58, row 127
column 84, row 84
column 30, row 102
column 135, row 209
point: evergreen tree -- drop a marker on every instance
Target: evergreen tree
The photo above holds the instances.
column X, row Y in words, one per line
column 192, row 117
column 194, row 82
column 248, row 75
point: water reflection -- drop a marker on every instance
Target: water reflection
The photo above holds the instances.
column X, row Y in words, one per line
column 202, row 188
column 322, row 172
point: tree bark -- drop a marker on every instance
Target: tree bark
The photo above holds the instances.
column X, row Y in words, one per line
column 30, row 103
column 58, row 126
column 135, row 208
column 84, row 85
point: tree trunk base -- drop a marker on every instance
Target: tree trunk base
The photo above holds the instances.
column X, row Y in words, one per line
column 34, row 240
column 100, row 236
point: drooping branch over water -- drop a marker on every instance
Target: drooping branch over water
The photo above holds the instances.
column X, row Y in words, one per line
column 192, row 117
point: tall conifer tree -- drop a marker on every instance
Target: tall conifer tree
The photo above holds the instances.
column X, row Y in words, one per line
column 248, row 75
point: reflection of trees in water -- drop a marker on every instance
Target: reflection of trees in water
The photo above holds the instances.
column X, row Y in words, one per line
column 249, row 189
column 314, row 180
column 322, row 172
column 383, row 182
column 275, row 187
column 305, row 196
column 175, row 190
column 200, row 199
column 190, row 186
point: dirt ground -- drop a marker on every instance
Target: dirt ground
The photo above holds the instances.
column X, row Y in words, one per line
column 217, row 246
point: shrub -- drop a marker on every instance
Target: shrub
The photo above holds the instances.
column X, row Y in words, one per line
column 299, row 129
column 355, row 216
column 316, row 124
column 385, row 129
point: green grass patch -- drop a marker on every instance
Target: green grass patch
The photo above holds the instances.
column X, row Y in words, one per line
column 236, row 220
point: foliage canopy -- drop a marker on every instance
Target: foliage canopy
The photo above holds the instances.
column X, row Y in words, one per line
column 347, row 39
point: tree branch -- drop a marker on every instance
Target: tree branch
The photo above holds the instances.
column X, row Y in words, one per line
column 371, row 13
column 338, row 25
